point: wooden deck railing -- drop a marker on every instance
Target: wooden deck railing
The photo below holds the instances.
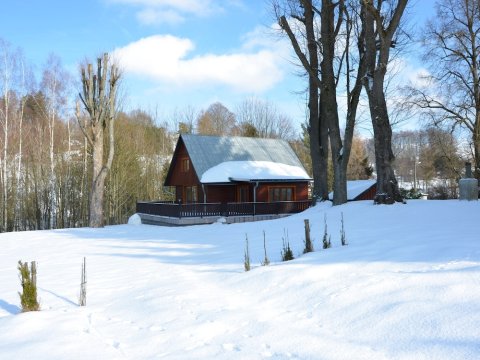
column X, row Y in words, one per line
column 176, row 210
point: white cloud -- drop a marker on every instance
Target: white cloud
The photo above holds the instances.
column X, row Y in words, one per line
column 151, row 16
column 164, row 59
column 154, row 12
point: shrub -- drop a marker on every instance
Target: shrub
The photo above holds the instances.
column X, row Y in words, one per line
column 28, row 278
column 326, row 238
column 287, row 253
column 410, row 194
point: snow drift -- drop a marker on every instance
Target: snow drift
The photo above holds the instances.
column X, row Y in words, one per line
column 407, row 286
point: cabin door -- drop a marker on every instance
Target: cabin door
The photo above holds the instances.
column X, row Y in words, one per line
column 242, row 193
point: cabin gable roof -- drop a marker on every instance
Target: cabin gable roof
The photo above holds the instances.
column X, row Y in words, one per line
column 207, row 152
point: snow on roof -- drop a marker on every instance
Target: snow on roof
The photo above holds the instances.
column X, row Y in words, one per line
column 355, row 188
column 252, row 170
column 207, row 152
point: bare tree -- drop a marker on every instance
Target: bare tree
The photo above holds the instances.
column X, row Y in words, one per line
column 261, row 118
column 452, row 49
column 302, row 28
column 338, row 25
column 184, row 119
column 217, row 120
column 23, row 76
column 381, row 20
column 6, row 73
column 54, row 84
column 99, row 97
column 12, row 86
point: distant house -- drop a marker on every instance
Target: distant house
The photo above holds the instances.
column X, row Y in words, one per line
column 360, row 190
column 216, row 169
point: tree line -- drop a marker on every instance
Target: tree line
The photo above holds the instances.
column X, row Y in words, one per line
column 47, row 160
column 346, row 47
column 48, row 151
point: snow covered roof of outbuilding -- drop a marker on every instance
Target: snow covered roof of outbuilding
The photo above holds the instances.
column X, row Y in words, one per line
column 242, row 158
column 356, row 188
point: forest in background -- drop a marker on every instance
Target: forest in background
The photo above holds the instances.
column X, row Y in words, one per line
column 45, row 160
column 45, row 173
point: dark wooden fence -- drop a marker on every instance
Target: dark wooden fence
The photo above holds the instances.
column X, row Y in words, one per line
column 176, row 210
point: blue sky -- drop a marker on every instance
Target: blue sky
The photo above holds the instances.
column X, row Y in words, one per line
column 174, row 53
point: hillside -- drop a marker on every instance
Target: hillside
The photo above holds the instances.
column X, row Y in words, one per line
column 407, row 286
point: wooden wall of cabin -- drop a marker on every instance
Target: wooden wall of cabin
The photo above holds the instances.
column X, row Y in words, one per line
column 180, row 194
column 300, row 190
column 182, row 170
column 183, row 176
column 220, row 193
column 231, row 193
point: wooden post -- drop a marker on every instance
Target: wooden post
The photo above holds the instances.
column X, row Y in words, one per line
column 34, row 274
column 83, row 285
column 308, row 241
column 307, row 230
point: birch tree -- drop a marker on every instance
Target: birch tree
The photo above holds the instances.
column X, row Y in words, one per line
column 99, row 99
column 54, row 84
column 9, row 71
column 6, row 75
column 19, row 187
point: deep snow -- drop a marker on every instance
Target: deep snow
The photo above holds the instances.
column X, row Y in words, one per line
column 406, row 287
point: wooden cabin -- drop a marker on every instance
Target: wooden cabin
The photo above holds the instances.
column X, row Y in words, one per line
column 217, row 169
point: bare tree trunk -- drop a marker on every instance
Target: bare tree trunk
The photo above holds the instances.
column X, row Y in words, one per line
column 96, row 217
column 99, row 100
column 378, row 39
column 328, row 98
column 83, row 188
column 318, row 126
column 51, row 130
column 5, row 113
column 476, row 145
column 69, row 183
column 19, row 187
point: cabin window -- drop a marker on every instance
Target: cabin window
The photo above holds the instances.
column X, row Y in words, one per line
column 280, row 194
column 191, row 194
column 185, row 164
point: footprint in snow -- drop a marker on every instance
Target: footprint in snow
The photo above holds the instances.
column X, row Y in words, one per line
column 231, row 347
column 156, row 328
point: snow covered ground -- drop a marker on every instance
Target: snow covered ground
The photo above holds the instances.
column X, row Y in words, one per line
column 406, row 287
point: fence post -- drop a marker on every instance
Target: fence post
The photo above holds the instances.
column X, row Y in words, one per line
column 307, row 231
